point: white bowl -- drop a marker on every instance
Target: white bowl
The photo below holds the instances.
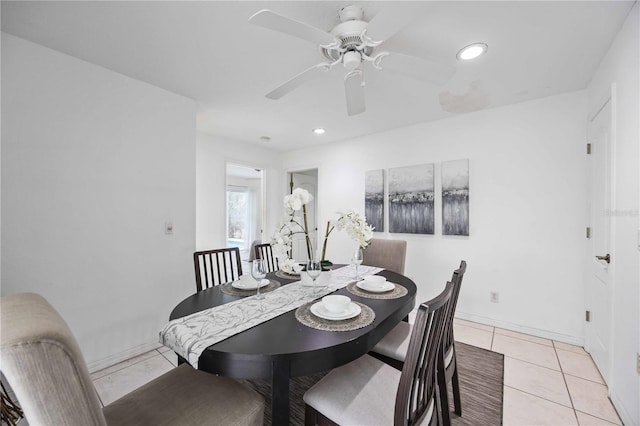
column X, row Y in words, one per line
column 375, row 281
column 336, row 303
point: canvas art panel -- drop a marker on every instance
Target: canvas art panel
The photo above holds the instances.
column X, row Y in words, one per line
column 455, row 197
column 411, row 194
column 374, row 199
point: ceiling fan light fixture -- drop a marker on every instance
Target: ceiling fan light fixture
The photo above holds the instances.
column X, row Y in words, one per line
column 351, row 59
column 472, row 51
column 318, row 131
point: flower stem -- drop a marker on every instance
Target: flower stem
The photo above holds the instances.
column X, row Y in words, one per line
column 326, row 238
column 306, row 230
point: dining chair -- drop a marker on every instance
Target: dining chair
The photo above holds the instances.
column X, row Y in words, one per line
column 214, row 267
column 367, row 391
column 264, row 251
column 44, row 366
column 386, row 254
column 392, row 349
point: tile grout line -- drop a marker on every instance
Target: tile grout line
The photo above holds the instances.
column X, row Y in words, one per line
column 493, row 333
column 532, row 363
column 542, row 398
column 597, row 417
column 564, row 379
column 525, row 340
column 162, row 354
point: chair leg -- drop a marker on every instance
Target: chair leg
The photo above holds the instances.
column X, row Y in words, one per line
column 456, row 391
column 444, row 399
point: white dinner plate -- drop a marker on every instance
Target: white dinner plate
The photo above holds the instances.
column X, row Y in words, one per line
column 319, row 310
column 386, row 286
column 245, row 284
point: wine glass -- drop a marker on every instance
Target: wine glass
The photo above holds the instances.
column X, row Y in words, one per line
column 314, row 268
column 258, row 272
column 356, row 259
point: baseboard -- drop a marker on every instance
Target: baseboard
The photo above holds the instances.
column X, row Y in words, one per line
column 624, row 415
column 545, row 334
column 122, row 356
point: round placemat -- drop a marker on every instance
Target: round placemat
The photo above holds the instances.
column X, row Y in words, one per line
column 397, row 292
column 231, row 290
column 287, row 276
column 304, row 315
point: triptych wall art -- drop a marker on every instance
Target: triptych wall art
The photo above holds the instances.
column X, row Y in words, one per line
column 411, row 196
column 374, row 199
column 455, row 197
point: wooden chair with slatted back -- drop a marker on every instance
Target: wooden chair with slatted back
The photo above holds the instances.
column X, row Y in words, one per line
column 264, row 251
column 448, row 366
column 368, row 391
column 215, row 267
column 392, row 349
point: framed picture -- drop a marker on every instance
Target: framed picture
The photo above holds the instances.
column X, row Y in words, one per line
column 411, row 191
column 374, row 199
column 455, row 197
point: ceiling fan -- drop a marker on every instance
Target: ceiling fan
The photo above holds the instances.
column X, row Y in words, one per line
column 352, row 43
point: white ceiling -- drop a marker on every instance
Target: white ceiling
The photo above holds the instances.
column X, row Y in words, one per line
column 206, row 50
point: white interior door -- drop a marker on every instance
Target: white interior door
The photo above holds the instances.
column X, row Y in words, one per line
column 306, row 180
column 599, row 280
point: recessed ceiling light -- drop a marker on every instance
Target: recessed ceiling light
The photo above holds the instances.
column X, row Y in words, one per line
column 318, row 131
column 472, row 51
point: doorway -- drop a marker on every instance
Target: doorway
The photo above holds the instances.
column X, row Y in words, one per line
column 305, row 179
column 244, row 208
column 599, row 277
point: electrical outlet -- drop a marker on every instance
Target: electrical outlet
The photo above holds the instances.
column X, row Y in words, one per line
column 495, row 297
column 168, row 228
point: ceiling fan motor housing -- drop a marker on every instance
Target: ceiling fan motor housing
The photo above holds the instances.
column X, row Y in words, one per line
column 350, row 35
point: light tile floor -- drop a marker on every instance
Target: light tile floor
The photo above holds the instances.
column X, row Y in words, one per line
column 545, row 382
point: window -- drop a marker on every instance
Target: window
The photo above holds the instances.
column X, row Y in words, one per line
column 238, row 213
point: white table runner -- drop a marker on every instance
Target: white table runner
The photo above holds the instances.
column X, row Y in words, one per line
column 189, row 336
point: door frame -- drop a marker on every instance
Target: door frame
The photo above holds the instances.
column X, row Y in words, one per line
column 608, row 97
column 299, row 169
column 262, row 195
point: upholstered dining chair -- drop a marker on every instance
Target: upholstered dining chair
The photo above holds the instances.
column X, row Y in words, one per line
column 387, row 254
column 392, row 349
column 43, row 364
column 214, row 267
column 369, row 392
column 264, row 251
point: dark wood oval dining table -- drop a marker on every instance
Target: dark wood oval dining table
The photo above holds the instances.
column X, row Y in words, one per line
column 283, row 347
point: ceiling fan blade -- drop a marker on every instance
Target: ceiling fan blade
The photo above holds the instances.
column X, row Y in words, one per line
column 391, row 20
column 432, row 71
column 274, row 21
column 306, row 75
column 354, row 91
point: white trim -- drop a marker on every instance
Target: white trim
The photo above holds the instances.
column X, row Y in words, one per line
column 618, row 405
column 507, row 325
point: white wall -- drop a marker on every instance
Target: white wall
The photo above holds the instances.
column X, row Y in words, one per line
column 93, row 164
column 213, row 154
column 527, row 209
column 620, row 66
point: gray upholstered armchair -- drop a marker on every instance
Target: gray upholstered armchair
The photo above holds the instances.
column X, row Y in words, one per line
column 43, row 364
column 387, row 254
